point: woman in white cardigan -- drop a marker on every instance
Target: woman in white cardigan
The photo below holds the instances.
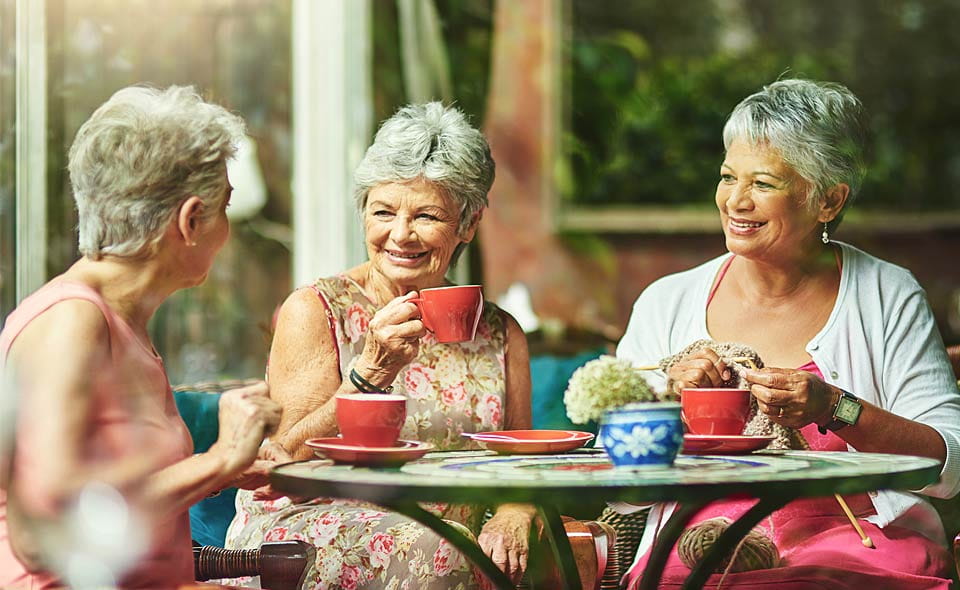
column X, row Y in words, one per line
column 854, row 360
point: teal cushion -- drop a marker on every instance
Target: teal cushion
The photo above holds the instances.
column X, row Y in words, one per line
column 210, row 517
column 549, row 376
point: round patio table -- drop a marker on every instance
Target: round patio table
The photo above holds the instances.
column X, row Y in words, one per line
column 773, row 477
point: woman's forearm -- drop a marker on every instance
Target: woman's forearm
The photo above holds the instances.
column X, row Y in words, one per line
column 881, row 431
column 320, row 422
column 172, row 490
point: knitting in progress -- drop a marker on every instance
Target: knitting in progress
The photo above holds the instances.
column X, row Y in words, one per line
column 734, row 355
column 757, row 550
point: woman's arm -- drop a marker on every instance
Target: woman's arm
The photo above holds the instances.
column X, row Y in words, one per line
column 304, row 372
column 304, row 365
column 245, row 416
column 805, row 398
column 505, row 536
column 56, row 413
column 55, row 406
column 517, row 412
column 917, row 408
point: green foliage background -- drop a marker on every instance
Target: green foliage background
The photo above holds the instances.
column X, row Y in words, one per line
column 650, row 84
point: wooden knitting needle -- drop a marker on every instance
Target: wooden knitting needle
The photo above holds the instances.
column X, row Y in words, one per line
column 853, row 520
column 867, row 542
column 742, row 359
column 745, row 360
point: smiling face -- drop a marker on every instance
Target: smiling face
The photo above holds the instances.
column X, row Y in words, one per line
column 764, row 206
column 411, row 233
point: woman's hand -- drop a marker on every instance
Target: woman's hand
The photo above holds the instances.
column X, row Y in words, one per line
column 506, row 538
column 392, row 342
column 790, row 397
column 703, row 368
column 246, row 416
column 256, row 475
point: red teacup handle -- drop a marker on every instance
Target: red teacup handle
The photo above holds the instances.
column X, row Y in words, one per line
column 423, row 318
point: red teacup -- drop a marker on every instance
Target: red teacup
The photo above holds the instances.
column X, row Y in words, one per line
column 715, row 410
column 451, row 313
column 371, row 419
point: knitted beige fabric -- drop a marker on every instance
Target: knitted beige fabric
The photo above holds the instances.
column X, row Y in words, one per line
column 758, row 424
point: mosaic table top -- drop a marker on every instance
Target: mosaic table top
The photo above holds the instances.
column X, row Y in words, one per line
column 485, row 476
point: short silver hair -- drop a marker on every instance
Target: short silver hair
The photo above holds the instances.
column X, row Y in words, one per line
column 433, row 143
column 136, row 159
column 817, row 127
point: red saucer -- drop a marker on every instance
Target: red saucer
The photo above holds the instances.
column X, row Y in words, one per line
column 716, row 444
column 340, row 452
column 530, row 441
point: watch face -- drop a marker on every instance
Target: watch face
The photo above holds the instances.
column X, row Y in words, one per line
column 847, row 410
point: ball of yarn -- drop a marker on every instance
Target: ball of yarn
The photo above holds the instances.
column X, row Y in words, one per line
column 757, row 551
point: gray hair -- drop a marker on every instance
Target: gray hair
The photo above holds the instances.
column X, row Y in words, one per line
column 139, row 156
column 433, row 143
column 816, row 126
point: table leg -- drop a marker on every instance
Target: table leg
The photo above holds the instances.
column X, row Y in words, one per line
column 665, row 542
column 557, row 535
column 468, row 548
column 729, row 539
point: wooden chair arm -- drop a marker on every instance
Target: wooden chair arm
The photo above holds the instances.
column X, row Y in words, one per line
column 281, row 565
column 594, row 551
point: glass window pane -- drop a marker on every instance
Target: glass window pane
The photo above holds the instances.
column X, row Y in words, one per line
column 7, row 157
column 237, row 53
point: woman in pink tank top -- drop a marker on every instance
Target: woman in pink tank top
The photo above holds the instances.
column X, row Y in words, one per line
column 94, row 407
column 851, row 353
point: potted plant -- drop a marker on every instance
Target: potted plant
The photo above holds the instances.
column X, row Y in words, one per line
column 638, row 427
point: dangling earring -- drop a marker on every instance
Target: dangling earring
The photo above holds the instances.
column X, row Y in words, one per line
column 825, row 236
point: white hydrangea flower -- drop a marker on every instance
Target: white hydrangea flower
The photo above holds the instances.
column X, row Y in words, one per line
column 604, row 383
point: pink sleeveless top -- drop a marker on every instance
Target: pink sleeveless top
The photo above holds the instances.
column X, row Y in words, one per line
column 132, row 410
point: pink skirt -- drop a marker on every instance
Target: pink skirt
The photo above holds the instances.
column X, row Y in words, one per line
column 820, row 549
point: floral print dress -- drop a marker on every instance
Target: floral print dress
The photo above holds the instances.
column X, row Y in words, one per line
column 450, row 389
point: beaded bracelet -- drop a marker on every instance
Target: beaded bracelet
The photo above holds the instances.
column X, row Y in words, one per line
column 365, row 386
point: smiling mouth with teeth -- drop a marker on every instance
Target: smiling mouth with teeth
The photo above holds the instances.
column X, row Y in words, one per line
column 746, row 224
column 404, row 255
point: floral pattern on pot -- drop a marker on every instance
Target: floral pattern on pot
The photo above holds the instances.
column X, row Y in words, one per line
column 642, row 434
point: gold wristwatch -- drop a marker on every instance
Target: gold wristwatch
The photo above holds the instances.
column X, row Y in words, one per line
column 845, row 413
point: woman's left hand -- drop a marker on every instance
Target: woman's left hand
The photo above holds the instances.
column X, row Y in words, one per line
column 506, row 538
column 257, row 475
column 789, row 397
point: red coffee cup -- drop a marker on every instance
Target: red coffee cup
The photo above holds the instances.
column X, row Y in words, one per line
column 371, row 419
column 715, row 410
column 451, row 313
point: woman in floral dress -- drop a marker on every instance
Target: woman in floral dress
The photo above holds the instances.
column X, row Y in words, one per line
column 421, row 190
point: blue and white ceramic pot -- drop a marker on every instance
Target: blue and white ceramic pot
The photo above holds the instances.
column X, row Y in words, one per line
column 642, row 434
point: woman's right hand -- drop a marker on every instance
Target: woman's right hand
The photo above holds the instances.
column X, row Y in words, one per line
column 703, row 368
column 392, row 342
column 246, row 416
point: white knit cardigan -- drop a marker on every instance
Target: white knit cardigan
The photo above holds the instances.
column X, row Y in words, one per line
column 879, row 343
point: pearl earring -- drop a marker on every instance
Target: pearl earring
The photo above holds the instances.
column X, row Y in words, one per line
column 825, row 236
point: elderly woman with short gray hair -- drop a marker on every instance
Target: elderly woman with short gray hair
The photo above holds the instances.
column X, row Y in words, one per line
column 421, row 192
column 149, row 175
column 853, row 357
